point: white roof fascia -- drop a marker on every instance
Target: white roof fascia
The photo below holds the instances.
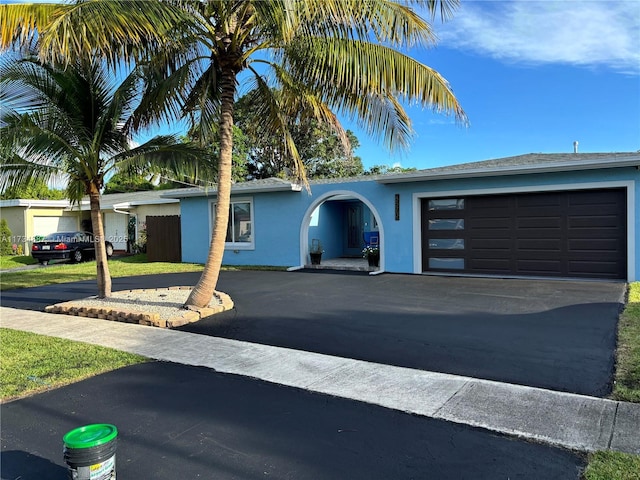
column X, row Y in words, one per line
column 289, row 187
column 515, row 170
column 158, row 201
column 125, row 205
column 137, row 203
column 24, row 202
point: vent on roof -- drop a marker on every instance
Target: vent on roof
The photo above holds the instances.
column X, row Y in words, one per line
column 575, row 147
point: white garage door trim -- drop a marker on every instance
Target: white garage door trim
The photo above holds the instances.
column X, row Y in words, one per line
column 631, row 212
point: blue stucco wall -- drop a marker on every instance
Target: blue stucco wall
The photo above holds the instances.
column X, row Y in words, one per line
column 331, row 239
column 279, row 216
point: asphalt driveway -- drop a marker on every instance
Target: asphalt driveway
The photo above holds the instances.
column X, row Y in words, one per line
column 551, row 334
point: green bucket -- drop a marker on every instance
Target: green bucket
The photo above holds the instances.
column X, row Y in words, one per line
column 90, row 452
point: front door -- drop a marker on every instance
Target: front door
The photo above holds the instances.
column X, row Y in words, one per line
column 115, row 229
column 353, row 246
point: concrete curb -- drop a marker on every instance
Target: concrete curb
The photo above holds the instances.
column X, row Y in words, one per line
column 222, row 303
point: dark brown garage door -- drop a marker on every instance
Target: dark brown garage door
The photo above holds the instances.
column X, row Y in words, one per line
column 552, row 234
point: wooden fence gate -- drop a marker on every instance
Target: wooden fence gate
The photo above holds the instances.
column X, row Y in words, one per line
column 164, row 241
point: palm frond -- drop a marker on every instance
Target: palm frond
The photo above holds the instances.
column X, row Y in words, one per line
column 300, row 103
column 393, row 23
column 166, row 154
column 20, row 24
column 275, row 121
column 114, row 30
column 445, row 7
column 375, row 73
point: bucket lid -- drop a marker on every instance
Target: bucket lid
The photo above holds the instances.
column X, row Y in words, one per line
column 90, row 435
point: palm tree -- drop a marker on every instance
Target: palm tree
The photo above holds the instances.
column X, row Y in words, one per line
column 74, row 120
column 323, row 56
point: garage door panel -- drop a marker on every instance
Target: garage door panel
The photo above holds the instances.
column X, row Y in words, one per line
column 595, row 236
column 491, row 233
column 594, row 221
column 491, row 265
column 539, row 234
column 539, row 201
column 546, row 245
column 604, row 269
column 538, row 222
column 483, row 223
column 539, row 267
column 597, row 245
column 604, row 198
column 590, row 209
column 560, row 234
column 489, row 243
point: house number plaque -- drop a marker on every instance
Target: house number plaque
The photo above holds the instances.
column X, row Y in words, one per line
column 397, row 206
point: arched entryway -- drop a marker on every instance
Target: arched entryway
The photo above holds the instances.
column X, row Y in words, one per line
column 342, row 221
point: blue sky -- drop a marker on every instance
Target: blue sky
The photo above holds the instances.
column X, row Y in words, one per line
column 532, row 76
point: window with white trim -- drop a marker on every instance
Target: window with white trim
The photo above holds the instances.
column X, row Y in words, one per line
column 240, row 227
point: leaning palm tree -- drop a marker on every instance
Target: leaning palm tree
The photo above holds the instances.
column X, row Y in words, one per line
column 74, row 121
column 325, row 57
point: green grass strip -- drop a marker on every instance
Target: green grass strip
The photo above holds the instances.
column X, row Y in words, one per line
column 14, row 261
column 75, row 272
column 31, row 363
column 128, row 266
column 627, row 379
column 613, row 466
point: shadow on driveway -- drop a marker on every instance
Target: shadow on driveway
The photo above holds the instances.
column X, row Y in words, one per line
column 180, row 422
column 559, row 335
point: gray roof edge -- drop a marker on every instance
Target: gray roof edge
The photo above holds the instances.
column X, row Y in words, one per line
column 511, row 170
column 236, row 189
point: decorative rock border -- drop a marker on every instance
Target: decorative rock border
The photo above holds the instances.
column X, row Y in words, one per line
column 220, row 303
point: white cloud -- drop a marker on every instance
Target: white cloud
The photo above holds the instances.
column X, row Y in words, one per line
column 575, row 32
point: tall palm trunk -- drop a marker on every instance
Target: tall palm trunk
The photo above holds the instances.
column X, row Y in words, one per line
column 102, row 266
column 203, row 292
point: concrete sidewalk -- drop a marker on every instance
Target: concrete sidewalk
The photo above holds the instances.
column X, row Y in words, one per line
column 567, row 420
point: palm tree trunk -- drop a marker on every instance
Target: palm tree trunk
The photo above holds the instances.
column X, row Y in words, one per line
column 102, row 266
column 203, row 292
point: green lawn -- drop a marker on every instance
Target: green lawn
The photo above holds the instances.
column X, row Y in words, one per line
column 74, row 272
column 627, row 380
column 13, row 261
column 31, row 363
column 613, row 466
column 128, row 266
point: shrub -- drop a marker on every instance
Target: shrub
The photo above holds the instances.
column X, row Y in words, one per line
column 6, row 245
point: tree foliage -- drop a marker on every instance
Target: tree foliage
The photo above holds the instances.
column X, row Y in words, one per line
column 384, row 169
column 123, row 182
column 299, row 59
column 34, row 189
column 323, row 152
column 74, row 120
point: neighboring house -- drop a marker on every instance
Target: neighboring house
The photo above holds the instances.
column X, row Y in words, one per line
column 118, row 208
column 30, row 219
column 535, row 215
